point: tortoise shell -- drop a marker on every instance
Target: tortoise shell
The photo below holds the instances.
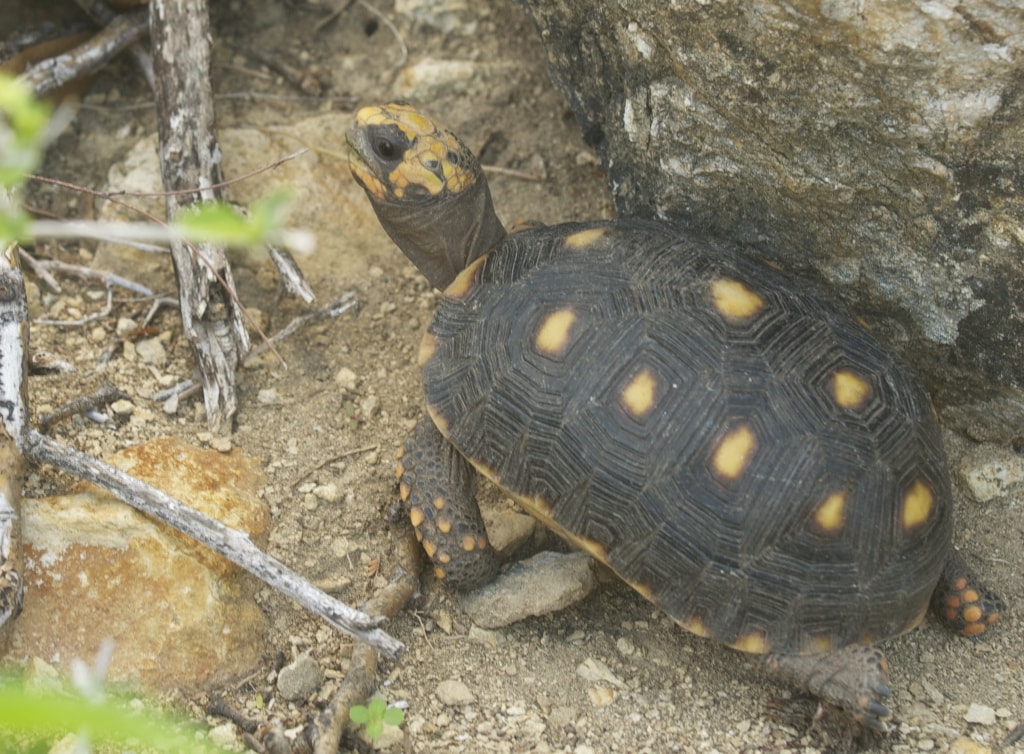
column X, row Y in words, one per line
column 746, row 456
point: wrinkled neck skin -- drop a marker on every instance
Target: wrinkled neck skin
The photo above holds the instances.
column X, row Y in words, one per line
column 441, row 239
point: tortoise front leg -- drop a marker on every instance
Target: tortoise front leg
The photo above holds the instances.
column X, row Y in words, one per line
column 438, row 489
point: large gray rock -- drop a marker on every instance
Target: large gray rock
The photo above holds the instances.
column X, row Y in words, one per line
column 877, row 145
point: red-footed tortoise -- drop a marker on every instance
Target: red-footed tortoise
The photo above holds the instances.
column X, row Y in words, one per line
column 747, row 457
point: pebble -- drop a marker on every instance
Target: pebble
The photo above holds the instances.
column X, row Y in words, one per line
column 965, row 745
column 539, row 585
column 300, row 679
column 123, row 408
column 151, row 351
column 346, row 379
column 454, row 693
column 980, row 714
column 268, row 396
column 329, row 492
column 596, row 671
column 991, row 470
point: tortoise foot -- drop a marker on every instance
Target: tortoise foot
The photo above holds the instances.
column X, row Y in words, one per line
column 855, row 679
column 966, row 605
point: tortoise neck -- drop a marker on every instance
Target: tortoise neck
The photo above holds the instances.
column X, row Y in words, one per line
column 442, row 239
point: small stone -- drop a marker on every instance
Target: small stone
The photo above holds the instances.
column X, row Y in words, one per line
column 926, row 744
column 122, row 408
column 221, row 444
column 991, row 470
column 980, row 714
column 601, row 696
column 454, row 693
column 97, row 335
column 346, row 379
column 508, row 531
column 444, row 621
column 223, row 736
column 625, row 646
column 329, row 492
column 151, row 351
column 300, row 679
column 126, row 325
column 485, row 636
column 596, row 671
column 965, row 745
column 268, row 396
column 539, row 585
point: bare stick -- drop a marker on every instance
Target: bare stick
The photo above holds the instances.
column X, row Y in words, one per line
column 53, row 73
column 81, row 405
column 234, row 545
column 190, row 158
column 336, row 308
column 13, row 402
column 358, row 683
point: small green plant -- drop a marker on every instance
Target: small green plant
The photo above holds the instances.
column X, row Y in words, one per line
column 376, row 716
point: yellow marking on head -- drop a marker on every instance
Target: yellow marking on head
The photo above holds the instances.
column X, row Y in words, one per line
column 755, row 643
column 428, row 345
column 830, row 515
column 429, row 547
column 416, row 515
column 638, row 395
column 917, row 505
column 444, row 524
column 584, row 238
column 734, row 452
column 368, row 180
column 469, row 543
column 465, row 280
column 555, row 332
column 850, row 390
column 733, row 300
column 439, row 502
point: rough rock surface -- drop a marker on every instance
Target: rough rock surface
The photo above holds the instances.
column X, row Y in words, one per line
column 875, row 143
column 181, row 616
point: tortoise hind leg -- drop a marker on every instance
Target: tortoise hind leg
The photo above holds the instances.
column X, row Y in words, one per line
column 438, row 489
column 967, row 606
column 854, row 678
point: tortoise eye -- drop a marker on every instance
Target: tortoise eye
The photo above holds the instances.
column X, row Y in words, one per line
column 386, row 149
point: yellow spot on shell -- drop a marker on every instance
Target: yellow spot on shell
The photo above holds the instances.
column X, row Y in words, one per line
column 416, row 516
column 696, row 625
column 818, row 644
column 734, row 452
column 555, row 332
column 469, row 543
column 465, row 280
column 584, row 238
column 850, row 390
column 645, row 590
column 917, row 505
column 830, row 515
column 755, row 643
column 734, row 300
column 595, row 549
column 638, row 395
column 427, row 348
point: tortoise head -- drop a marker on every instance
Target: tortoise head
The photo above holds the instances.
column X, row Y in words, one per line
column 426, row 187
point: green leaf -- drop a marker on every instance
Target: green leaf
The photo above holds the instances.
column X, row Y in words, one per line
column 394, row 716
column 374, row 728
column 377, row 707
column 358, row 714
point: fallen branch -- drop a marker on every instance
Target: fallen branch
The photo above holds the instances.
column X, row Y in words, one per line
column 234, row 545
column 190, row 158
column 335, row 308
column 13, row 402
column 90, row 56
column 358, row 683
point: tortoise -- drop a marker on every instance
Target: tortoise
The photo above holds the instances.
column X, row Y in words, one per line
column 746, row 455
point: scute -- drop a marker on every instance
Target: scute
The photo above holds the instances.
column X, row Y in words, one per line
column 706, row 457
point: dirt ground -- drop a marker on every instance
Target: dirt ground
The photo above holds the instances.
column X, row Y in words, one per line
column 351, row 391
